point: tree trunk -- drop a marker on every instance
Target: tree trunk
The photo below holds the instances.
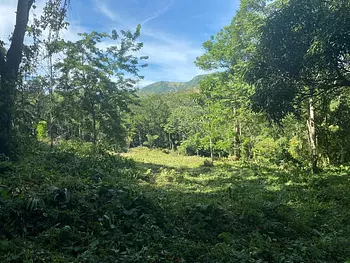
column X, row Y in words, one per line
column 94, row 130
column 170, row 142
column 236, row 143
column 51, row 97
column 312, row 135
column 9, row 72
column 140, row 140
column 342, row 154
column 211, row 149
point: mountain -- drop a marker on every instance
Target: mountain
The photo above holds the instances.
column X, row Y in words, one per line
column 167, row 86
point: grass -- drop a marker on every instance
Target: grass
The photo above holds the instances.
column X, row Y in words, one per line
column 152, row 206
column 255, row 214
column 164, row 158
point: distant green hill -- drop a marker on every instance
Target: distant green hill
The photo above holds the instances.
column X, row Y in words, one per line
column 167, row 86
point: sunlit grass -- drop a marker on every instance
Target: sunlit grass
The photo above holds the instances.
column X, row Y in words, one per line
column 160, row 157
column 279, row 208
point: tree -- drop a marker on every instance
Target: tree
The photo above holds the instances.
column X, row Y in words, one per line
column 183, row 122
column 9, row 66
column 231, row 49
column 150, row 116
column 301, row 56
column 214, row 111
column 53, row 20
column 94, row 79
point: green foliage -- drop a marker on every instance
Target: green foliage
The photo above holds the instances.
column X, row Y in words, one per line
column 267, row 214
column 82, row 93
column 151, row 139
column 41, row 130
column 74, row 207
column 192, row 145
column 86, row 81
column 301, row 56
column 149, row 117
column 265, row 148
column 73, row 210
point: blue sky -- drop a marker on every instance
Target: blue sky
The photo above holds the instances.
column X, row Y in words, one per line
column 172, row 30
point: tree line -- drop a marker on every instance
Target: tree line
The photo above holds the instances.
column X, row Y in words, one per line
column 280, row 93
column 54, row 88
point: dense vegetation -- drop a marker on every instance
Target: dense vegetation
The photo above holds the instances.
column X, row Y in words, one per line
column 65, row 206
column 248, row 164
column 281, row 93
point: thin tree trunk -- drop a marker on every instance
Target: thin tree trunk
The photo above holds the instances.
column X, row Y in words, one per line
column 140, row 140
column 312, row 135
column 211, row 149
column 94, row 130
column 170, row 142
column 342, row 149
column 51, row 97
column 342, row 154
column 236, row 142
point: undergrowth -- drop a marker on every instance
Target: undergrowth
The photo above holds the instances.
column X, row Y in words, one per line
column 67, row 205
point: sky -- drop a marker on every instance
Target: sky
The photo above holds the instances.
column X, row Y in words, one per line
column 173, row 31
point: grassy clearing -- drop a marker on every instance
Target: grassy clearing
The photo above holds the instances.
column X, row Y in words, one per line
column 164, row 158
column 63, row 206
column 250, row 214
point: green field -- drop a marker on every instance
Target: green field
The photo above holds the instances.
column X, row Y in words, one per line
column 156, row 206
column 236, row 213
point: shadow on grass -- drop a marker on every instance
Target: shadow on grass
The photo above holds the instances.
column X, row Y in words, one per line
column 223, row 213
column 288, row 212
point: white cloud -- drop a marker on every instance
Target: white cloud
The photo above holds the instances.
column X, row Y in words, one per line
column 72, row 31
column 171, row 58
column 103, row 9
column 158, row 13
column 144, row 83
column 173, row 62
column 7, row 18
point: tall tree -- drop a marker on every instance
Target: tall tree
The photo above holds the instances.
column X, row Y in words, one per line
column 98, row 79
column 231, row 49
column 9, row 65
column 303, row 54
column 150, row 117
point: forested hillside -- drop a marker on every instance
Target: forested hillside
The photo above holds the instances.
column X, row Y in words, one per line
column 247, row 164
column 166, row 86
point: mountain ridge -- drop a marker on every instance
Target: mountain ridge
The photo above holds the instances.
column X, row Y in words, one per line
column 169, row 86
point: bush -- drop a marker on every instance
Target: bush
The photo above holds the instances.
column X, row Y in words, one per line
column 41, row 130
column 265, row 149
column 208, row 163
